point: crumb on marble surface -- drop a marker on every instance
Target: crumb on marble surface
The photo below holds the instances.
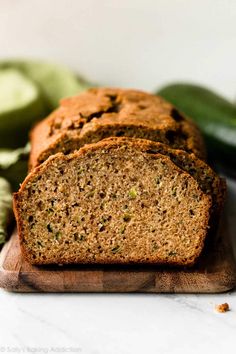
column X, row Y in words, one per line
column 221, row 308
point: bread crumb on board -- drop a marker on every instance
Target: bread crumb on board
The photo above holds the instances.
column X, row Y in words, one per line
column 221, row 308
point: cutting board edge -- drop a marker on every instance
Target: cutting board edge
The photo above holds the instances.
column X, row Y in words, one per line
column 14, row 278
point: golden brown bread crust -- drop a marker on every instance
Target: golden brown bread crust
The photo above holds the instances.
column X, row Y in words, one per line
column 101, row 112
column 108, row 145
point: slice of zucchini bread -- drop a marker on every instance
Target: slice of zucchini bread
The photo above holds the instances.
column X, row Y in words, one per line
column 208, row 180
column 116, row 201
column 101, row 112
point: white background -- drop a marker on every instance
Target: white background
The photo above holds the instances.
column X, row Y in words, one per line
column 141, row 44
column 134, row 43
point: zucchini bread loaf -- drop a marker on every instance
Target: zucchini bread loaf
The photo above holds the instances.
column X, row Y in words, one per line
column 101, row 112
column 117, row 201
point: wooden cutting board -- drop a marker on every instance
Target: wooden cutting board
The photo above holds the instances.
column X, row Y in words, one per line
column 215, row 272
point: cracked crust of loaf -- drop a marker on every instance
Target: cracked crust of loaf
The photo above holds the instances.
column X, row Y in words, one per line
column 102, row 112
column 107, row 147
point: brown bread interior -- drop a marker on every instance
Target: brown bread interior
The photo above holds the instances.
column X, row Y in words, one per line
column 111, row 202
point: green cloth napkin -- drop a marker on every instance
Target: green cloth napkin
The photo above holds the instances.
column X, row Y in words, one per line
column 14, row 165
column 6, row 213
column 29, row 91
column 13, row 169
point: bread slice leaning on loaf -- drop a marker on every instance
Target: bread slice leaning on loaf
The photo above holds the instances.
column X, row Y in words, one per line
column 116, row 201
column 104, row 112
column 209, row 182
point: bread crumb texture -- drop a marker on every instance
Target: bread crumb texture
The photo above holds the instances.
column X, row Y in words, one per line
column 112, row 202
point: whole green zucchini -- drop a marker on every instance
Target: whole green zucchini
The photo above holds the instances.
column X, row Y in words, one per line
column 215, row 116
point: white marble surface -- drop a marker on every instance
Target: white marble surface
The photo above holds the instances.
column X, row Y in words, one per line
column 141, row 44
column 115, row 324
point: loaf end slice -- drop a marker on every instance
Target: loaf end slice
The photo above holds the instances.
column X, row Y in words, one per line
column 109, row 203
